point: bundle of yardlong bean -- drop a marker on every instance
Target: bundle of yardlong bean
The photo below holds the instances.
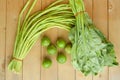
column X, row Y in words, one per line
column 33, row 26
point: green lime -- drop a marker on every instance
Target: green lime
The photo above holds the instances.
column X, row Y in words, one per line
column 61, row 58
column 68, row 48
column 45, row 41
column 46, row 63
column 51, row 49
column 61, row 43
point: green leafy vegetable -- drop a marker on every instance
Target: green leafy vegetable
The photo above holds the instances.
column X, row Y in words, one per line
column 91, row 51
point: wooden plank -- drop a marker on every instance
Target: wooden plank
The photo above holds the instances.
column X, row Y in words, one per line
column 2, row 14
column 13, row 9
column 2, row 38
column 51, row 73
column 89, row 9
column 100, row 20
column 100, row 15
column 2, row 54
column 67, row 68
column 114, row 31
column 31, row 64
column 32, row 61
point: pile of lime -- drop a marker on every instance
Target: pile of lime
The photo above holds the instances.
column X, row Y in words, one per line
column 52, row 49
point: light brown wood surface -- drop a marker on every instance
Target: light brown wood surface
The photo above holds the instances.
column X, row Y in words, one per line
column 106, row 16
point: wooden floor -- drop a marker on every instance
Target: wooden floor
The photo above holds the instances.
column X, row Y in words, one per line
column 105, row 14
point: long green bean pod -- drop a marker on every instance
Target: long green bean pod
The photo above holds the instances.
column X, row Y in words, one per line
column 34, row 25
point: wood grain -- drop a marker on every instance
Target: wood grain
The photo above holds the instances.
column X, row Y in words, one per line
column 13, row 9
column 31, row 64
column 106, row 16
column 65, row 69
column 52, row 72
column 2, row 54
column 100, row 16
column 2, row 38
column 114, row 31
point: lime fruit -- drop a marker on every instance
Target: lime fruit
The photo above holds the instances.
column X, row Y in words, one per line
column 68, row 48
column 61, row 43
column 45, row 41
column 46, row 63
column 61, row 58
column 51, row 49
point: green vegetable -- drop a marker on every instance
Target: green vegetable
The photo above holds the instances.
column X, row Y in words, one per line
column 51, row 49
column 61, row 43
column 68, row 48
column 91, row 51
column 30, row 29
column 47, row 63
column 45, row 41
column 61, row 58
